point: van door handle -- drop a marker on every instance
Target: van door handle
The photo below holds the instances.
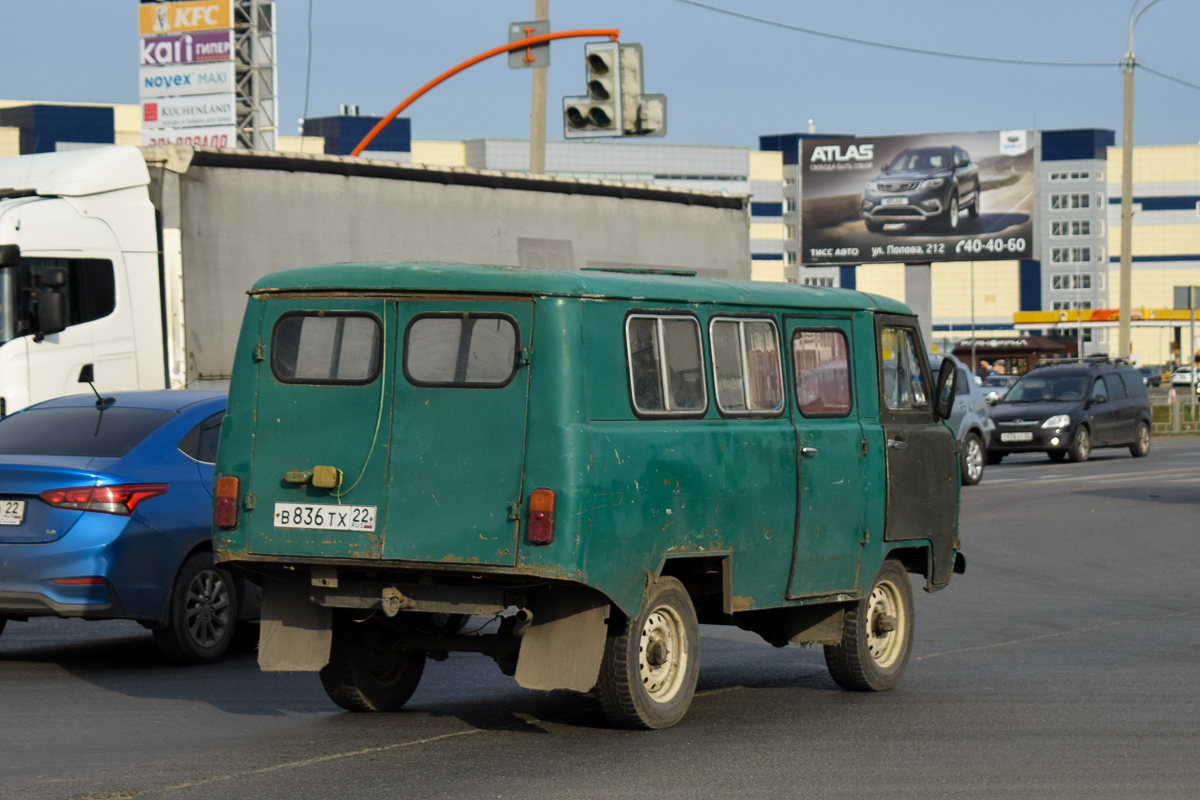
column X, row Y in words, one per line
column 808, row 452
column 897, row 444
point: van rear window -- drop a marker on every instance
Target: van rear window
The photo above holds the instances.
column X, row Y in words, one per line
column 326, row 348
column 666, row 365
column 473, row 351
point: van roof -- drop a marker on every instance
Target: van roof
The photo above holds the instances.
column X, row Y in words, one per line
column 492, row 279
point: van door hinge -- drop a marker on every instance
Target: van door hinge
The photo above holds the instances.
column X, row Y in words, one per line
column 248, row 502
column 866, row 538
column 865, row 446
column 523, row 358
column 259, row 351
column 514, row 512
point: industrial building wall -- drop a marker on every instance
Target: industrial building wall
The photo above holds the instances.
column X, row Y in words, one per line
column 240, row 224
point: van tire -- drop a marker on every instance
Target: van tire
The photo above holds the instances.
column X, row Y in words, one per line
column 972, row 459
column 201, row 613
column 870, row 658
column 369, row 669
column 636, row 692
column 1141, row 446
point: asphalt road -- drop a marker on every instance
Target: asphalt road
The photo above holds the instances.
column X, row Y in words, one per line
column 1065, row 663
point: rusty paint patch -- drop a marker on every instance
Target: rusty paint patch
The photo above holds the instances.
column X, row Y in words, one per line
column 742, row 603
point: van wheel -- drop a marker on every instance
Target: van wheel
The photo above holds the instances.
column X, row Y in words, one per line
column 202, row 614
column 369, row 669
column 1081, row 448
column 648, row 674
column 994, row 458
column 1141, row 447
column 877, row 635
column 971, row 461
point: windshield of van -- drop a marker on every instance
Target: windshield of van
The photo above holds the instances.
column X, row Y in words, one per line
column 1042, row 389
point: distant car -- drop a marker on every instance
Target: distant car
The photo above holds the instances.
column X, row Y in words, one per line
column 1151, row 376
column 106, row 513
column 923, row 184
column 1067, row 410
column 994, row 386
column 970, row 421
column 1186, row 376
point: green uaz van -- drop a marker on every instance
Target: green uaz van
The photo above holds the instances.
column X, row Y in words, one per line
column 602, row 460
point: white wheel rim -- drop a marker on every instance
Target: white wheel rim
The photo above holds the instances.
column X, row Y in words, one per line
column 974, row 460
column 662, row 654
column 1144, row 437
column 884, row 606
column 954, row 213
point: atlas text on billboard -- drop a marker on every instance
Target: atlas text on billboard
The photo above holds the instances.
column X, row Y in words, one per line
column 213, row 136
column 927, row 197
column 182, row 17
column 185, row 48
column 188, row 112
column 185, row 79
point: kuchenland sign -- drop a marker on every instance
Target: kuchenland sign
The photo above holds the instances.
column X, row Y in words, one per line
column 186, row 76
column 930, row 197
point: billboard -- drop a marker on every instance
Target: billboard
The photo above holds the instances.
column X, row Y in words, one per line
column 185, row 48
column 213, row 136
column 185, row 17
column 188, row 112
column 927, row 197
column 186, row 80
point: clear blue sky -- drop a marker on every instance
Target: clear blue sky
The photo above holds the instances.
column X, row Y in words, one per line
column 727, row 80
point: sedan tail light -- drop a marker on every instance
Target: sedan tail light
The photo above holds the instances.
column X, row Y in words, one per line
column 119, row 499
column 225, row 507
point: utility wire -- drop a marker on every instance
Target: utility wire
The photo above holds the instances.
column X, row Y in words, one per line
column 1140, row 65
column 901, row 48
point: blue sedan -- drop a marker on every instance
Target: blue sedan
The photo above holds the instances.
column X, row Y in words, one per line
column 106, row 513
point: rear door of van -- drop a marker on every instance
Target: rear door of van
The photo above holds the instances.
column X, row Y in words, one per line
column 458, row 429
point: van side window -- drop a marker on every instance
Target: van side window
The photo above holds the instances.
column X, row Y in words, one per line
column 903, row 381
column 746, row 368
column 822, row 360
column 471, row 351
column 1100, row 389
column 1120, row 390
column 326, row 348
column 666, row 364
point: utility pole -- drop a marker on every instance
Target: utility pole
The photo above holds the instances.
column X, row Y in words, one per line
column 1127, row 66
column 537, row 117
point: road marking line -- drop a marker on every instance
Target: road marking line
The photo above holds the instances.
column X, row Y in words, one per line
column 1052, row 635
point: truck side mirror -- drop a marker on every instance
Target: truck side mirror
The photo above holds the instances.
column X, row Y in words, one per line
column 51, row 313
column 946, row 384
column 10, row 255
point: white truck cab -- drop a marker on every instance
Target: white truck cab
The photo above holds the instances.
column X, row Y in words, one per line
column 79, row 225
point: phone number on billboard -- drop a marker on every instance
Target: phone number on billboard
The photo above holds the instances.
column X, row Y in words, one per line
column 997, row 245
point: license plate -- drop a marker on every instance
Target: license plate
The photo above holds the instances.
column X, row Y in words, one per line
column 325, row 517
column 12, row 512
column 1019, row 436
column 894, row 201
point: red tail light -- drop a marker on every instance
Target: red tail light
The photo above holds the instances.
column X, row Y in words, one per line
column 225, row 509
column 540, row 528
column 79, row 581
column 120, row 499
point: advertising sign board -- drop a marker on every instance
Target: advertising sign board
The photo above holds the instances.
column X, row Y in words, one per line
column 184, row 17
column 186, row 48
column 186, row 79
column 927, row 197
column 188, row 112
column 215, row 136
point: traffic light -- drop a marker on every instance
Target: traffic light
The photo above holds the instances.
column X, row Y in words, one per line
column 615, row 104
column 598, row 113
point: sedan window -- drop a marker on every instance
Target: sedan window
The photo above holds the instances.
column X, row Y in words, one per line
column 87, row 431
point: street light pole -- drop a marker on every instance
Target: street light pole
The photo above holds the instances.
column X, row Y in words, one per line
column 537, row 116
column 1127, row 65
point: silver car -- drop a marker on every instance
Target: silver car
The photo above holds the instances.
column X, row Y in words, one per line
column 970, row 420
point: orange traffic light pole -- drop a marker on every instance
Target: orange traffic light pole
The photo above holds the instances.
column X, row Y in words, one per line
column 519, row 44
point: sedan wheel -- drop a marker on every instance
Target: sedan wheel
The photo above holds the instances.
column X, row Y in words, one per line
column 202, row 614
column 972, row 460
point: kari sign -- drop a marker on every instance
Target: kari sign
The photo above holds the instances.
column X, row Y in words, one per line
column 194, row 15
column 215, row 136
column 188, row 112
column 185, row 80
column 186, row 48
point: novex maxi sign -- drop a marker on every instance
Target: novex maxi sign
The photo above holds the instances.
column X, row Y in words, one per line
column 185, row 80
column 185, row 48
